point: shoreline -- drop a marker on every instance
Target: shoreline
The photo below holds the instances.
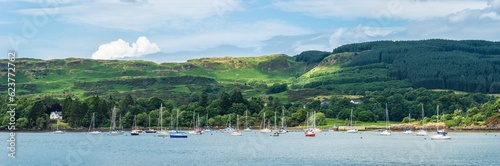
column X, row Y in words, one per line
column 338, row 128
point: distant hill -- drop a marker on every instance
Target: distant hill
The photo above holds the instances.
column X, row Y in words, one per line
column 469, row 65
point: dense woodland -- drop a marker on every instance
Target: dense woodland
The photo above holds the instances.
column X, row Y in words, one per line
column 470, row 65
column 456, row 109
column 458, row 76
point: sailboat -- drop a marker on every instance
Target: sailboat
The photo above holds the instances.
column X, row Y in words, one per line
column 265, row 129
column 207, row 128
column 422, row 132
column 57, row 128
column 150, row 130
column 237, row 132
column 229, row 128
column 162, row 133
column 441, row 134
column 316, row 130
column 282, row 129
column 276, row 132
column 407, row 130
column 387, row 130
column 178, row 134
column 113, row 129
column 196, row 129
column 247, row 129
column 135, row 131
column 309, row 131
column 351, row 129
column 92, row 124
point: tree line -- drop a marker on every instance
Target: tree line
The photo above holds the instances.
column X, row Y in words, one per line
column 458, row 109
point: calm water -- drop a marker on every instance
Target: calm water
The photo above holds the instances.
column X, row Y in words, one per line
column 327, row 148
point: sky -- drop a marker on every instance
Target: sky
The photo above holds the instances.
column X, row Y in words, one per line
column 179, row 30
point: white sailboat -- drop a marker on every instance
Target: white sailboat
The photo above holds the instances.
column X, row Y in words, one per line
column 351, row 128
column 275, row 128
column 236, row 131
column 229, row 128
column 247, row 129
column 92, row 124
column 265, row 129
column 387, row 130
column 422, row 132
column 113, row 129
column 441, row 134
column 316, row 130
column 282, row 129
column 207, row 128
column 196, row 129
column 162, row 133
column 150, row 130
column 57, row 128
column 408, row 131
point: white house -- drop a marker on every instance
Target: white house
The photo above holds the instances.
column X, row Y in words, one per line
column 356, row 101
column 56, row 115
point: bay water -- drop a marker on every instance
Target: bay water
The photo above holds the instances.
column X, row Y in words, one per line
column 253, row 148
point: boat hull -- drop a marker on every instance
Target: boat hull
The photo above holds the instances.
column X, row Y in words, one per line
column 162, row 134
column 150, row 131
column 385, row 133
column 441, row 136
column 116, row 133
column 265, row 131
column 421, row 133
column 178, row 135
column 58, row 132
column 352, row 131
column 310, row 134
column 94, row 132
column 235, row 133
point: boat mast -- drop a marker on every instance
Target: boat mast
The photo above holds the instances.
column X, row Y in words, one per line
column 422, row 115
column 282, row 118
column 177, row 120
column 161, row 116
column 386, row 116
column 314, row 120
column 307, row 120
column 275, row 126
column 350, row 119
column 437, row 117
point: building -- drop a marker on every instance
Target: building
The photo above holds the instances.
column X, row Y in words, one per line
column 356, row 101
column 56, row 115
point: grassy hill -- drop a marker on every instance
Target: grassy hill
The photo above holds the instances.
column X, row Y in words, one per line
column 354, row 69
column 86, row 77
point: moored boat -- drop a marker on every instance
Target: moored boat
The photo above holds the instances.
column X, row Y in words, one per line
column 440, row 134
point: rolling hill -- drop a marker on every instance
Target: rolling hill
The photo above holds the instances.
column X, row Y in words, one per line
column 354, row 69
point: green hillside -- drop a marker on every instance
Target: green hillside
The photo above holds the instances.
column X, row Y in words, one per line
column 459, row 75
column 86, row 77
column 469, row 66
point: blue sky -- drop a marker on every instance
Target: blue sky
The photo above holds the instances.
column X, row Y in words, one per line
column 178, row 30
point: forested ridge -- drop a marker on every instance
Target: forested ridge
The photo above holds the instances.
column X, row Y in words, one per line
column 469, row 65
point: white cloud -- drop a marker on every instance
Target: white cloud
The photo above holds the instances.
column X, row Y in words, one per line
column 460, row 25
column 382, row 10
column 122, row 49
column 139, row 14
column 494, row 4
